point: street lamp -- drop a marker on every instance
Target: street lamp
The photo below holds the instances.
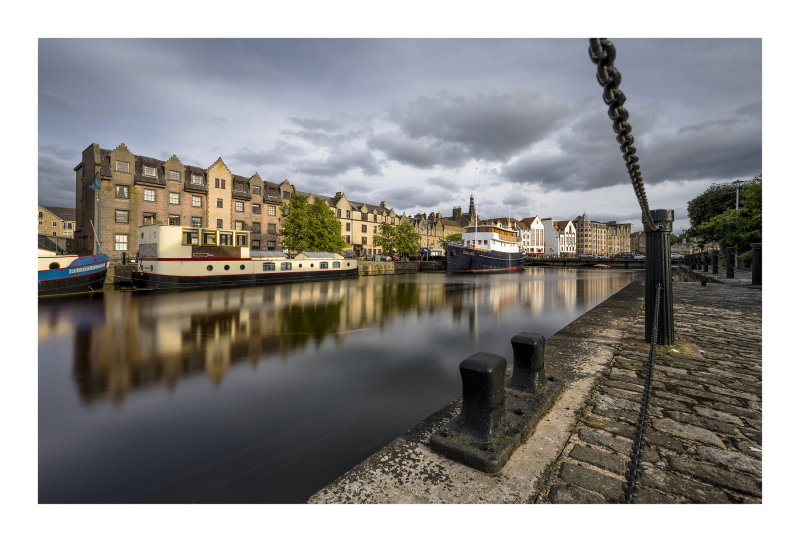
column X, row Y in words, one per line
column 735, row 250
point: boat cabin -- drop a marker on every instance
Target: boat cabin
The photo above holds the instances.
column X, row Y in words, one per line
column 490, row 237
column 162, row 241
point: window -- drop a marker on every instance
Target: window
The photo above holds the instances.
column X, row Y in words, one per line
column 363, row 240
column 149, row 194
column 222, row 183
column 216, row 183
column 256, row 209
column 209, row 237
column 256, row 190
column 323, row 265
column 347, row 227
column 197, row 201
column 393, row 221
column 363, row 228
column 270, row 245
column 56, row 224
column 174, row 220
column 219, row 223
column 374, row 229
column 121, row 241
column 347, row 239
column 347, row 214
column 271, row 210
column 149, row 218
column 337, row 265
column 197, row 179
column 219, row 203
column 226, row 238
column 255, row 244
column 287, row 195
column 197, row 221
column 271, row 228
column 286, row 266
column 338, row 213
column 124, row 167
column 238, row 206
column 121, row 191
column 269, row 266
column 149, row 171
column 41, row 223
column 242, row 239
column 120, row 216
column 174, row 198
column 174, row 175
column 238, row 225
column 191, row 237
column 256, row 227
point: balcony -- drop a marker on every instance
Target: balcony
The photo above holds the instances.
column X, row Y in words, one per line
column 242, row 194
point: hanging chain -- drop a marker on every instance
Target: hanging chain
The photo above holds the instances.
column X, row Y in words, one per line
column 603, row 53
column 634, row 473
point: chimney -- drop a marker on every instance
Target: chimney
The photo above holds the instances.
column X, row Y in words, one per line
column 383, row 204
column 456, row 212
column 339, row 194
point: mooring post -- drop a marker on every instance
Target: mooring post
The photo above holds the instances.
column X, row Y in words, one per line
column 705, row 261
column 715, row 262
column 528, row 362
column 729, row 262
column 659, row 271
column 484, row 406
column 756, row 266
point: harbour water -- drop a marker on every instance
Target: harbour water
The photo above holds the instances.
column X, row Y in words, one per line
column 266, row 394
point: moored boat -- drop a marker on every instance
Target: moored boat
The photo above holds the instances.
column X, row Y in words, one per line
column 181, row 257
column 69, row 274
column 485, row 248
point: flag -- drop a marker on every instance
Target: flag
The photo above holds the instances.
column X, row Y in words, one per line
column 94, row 185
column 348, row 248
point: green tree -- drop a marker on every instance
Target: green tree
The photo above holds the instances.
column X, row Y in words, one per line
column 402, row 239
column 310, row 227
column 452, row 238
column 737, row 229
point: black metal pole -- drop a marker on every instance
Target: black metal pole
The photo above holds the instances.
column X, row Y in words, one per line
column 715, row 262
column 729, row 262
column 705, row 261
column 756, row 268
column 659, row 271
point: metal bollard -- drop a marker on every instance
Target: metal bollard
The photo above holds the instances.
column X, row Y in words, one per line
column 756, row 267
column 715, row 262
column 729, row 263
column 658, row 270
column 528, row 362
column 484, row 406
column 705, row 261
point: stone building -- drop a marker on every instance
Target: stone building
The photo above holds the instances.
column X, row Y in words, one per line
column 433, row 229
column 533, row 236
column 57, row 221
column 465, row 219
column 118, row 191
column 601, row 238
column 619, row 238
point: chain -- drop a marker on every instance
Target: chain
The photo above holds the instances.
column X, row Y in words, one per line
column 603, row 53
column 634, row 473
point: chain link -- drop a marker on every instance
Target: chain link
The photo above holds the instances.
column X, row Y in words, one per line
column 603, row 53
column 634, row 472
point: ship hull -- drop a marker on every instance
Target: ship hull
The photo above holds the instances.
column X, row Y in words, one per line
column 84, row 275
column 462, row 259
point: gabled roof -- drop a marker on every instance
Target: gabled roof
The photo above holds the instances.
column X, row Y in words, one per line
column 64, row 213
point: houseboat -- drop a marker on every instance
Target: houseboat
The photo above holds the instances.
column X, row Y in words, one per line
column 69, row 274
column 181, row 257
column 485, row 248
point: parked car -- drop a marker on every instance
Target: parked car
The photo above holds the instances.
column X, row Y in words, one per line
column 639, row 257
column 586, row 256
column 676, row 256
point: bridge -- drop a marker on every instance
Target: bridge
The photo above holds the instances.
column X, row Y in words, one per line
column 616, row 263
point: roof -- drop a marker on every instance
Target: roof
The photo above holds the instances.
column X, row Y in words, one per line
column 64, row 213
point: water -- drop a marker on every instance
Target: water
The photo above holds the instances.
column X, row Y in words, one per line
column 267, row 394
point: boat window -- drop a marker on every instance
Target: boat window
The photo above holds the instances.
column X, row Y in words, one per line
column 286, row 266
column 191, row 236
column 226, row 238
column 241, row 239
column 210, row 237
column 54, row 265
column 269, row 266
column 337, row 265
column 323, row 265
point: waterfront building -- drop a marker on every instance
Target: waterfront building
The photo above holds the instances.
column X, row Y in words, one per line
column 433, row 229
column 465, row 219
column 533, row 236
column 118, row 191
column 602, row 238
column 559, row 238
column 619, row 238
column 639, row 242
column 57, row 221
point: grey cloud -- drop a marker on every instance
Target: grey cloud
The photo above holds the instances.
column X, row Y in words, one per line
column 420, row 153
column 341, row 162
column 489, row 127
column 279, row 154
column 53, row 101
column 753, row 110
column 56, row 181
column 442, row 182
column 404, row 198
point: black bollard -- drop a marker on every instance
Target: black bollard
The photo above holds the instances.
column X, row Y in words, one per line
column 705, row 261
column 756, row 267
column 715, row 262
column 728, row 262
column 528, row 362
column 658, row 271
column 484, row 406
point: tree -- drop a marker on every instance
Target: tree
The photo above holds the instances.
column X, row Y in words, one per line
column 452, row 238
column 310, row 227
column 402, row 239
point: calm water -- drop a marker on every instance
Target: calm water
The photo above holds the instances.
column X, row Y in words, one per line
column 267, row 394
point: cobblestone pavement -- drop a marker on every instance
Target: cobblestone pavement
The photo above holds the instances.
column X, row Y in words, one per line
column 703, row 441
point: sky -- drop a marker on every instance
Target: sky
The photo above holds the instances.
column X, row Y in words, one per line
column 419, row 123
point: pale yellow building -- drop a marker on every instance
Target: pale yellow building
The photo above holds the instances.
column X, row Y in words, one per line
column 57, row 221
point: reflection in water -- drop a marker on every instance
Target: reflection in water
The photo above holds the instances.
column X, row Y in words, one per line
column 332, row 370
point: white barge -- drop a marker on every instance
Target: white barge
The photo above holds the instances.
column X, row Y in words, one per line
column 181, row 257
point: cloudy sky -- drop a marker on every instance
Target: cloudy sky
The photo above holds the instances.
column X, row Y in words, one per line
column 419, row 123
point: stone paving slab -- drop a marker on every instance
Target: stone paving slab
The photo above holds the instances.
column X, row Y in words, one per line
column 704, row 436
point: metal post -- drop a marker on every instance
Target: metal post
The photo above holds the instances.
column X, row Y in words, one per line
column 729, row 262
column 756, row 267
column 715, row 262
column 705, row 261
column 528, row 362
column 658, row 271
column 484, row 405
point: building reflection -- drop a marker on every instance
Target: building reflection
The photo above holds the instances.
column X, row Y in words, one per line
column 127, row 342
